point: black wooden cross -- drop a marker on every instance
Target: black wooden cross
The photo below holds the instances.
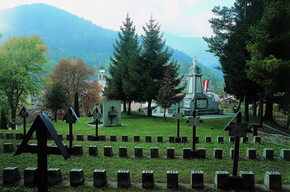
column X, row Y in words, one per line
column 178, row 116
column 237, row 130
column 42, row 125
column 97, row 116
column 24, row 114
column 70, row 117
column 193, row 121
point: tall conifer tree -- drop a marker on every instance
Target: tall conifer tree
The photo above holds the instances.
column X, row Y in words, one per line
column 155, row 57
column 126, row 53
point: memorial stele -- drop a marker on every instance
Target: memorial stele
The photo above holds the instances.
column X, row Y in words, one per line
column 195, row 98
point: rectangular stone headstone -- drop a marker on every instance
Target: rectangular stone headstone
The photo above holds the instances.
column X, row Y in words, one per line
column 172, row 179
column 123, row 178
column 93, row 150
column 186, row 154
column 1, row 135
column 273, row 180
column 170, row 152
column 154, row 152
column 125, row 138
column 76, row 177
column 90, row 137
column 136, row 138
column 102, row 137
column 221, row 179
column 67, row 137
column 8, row 148
column 171, row 139
column 268, row 153
column 138, row 152
column 113, row 138
column 54, row 176
column 123, row 151
column 10, row 175
column 60, row 136
column 220, row 139
column 251, row 153
column 147, row 179
column 257, row 139
column 184, row 139
column 9, row 135
column 248, row 179
column 285, row 154
column 208, row 139
column 197, row 139
column 197, row 179
column 201, row 153
column 245, row 139
column 80, row 137
column 160, row 138
column 78, row 150
column 108, row 151
column 30, row 177
column 148, row 139
column 218, row 153
column 100, row 177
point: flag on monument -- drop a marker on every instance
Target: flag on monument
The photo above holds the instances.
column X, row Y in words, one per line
column 205, row 85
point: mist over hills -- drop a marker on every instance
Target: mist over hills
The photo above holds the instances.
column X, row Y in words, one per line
column 68, row 35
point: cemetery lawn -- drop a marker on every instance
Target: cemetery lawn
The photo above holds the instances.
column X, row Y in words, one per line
column 142, row 125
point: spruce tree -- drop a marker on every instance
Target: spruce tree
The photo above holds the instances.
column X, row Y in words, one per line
column 155, row 57
column 171, row 89
column 126, row 53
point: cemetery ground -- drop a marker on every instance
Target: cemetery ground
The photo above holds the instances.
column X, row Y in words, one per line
column 155, row 126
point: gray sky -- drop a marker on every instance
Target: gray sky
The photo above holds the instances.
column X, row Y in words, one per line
column 186, row 18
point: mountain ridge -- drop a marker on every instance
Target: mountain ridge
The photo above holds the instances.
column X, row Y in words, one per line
column 68, row 35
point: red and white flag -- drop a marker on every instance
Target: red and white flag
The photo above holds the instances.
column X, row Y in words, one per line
column 205, row 85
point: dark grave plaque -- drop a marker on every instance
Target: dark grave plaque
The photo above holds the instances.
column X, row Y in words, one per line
column 238, row 129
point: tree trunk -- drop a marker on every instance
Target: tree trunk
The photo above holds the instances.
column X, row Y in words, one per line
column 254, row 108
column 261, row 109
column 13, row 117
column 269, row 109
column 129, row 108
column 246, row 109
column 55, row 115
column 164, row 114
column 124, row 106
column 288, row 122
column 240, row 102
column 149, row 110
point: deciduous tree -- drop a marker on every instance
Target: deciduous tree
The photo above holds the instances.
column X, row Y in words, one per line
column 21, row 70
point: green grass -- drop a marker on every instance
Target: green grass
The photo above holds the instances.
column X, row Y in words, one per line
column 154, row 126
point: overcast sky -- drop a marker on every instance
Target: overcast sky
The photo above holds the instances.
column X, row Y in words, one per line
column 186, row 18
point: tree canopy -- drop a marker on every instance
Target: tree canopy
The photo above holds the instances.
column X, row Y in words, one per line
column 21, row 71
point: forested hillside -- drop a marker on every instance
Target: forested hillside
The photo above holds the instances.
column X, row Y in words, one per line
column 68, row 35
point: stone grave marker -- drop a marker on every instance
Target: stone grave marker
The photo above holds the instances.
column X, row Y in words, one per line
column 112, row 113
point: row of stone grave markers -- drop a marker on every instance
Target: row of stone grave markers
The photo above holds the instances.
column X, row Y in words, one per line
column 148, row 138
column 268, row 153
column 222, row 180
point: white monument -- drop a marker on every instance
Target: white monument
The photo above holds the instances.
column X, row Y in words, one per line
column 196, row 99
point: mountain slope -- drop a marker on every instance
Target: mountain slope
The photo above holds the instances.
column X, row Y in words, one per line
column 68, row 35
